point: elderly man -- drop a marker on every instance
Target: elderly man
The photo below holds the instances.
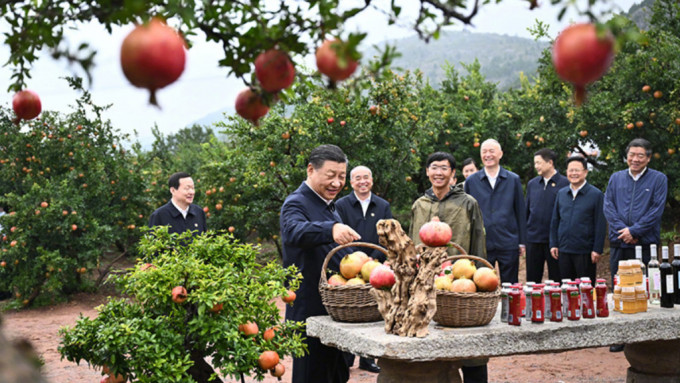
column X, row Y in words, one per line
column 500, row 196
column 310, row 229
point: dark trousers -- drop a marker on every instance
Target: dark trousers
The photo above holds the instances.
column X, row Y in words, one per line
column 508, row 263
column 475, row 374
column 574, row 266
column 321, row 364
column 537, row 255
column 349, row 359
column 617, row 254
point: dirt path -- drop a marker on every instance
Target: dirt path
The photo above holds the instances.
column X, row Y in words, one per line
column 41, row 327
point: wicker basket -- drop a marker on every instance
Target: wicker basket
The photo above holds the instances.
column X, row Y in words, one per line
column 349, row 303
column 466, row 309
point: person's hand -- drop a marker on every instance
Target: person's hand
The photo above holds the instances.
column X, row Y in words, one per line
column 594, row 256
column 343, row 234
column 625, row 236
column 522, row 250
column 554, row 252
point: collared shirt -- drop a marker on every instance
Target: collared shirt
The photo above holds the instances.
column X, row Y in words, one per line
column 364, row 203
column 184, row 212
column 492, row 180
column 575, row 192
column 327, row 201
column 637, row 177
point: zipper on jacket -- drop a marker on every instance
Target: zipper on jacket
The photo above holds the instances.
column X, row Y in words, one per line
column 630, row 210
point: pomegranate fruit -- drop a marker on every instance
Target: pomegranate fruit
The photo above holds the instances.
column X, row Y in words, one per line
column 152, row 56
column 486, row 279
column 179, row 294
column 249, row 105
column 248, row 328
column 268, row 360
column 278, row 371
column 289, row 297
column 336, row 280
column 581, row 57
column 435, row 233
column 382, row 277
column 334, row 60
column 274, row 70
column 26, row 105
column 269, row 334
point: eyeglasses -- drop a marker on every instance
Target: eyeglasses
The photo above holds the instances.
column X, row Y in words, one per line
column 434, row 168
column 640, row 156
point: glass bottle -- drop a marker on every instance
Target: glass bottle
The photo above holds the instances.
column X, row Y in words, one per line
column 666, row 271
column 676, row 273
column 654, row 276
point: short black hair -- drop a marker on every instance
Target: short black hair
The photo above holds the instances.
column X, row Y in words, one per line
column 640, row 143
column 467, row 162
column 441, row 156
column 547, row 155
column 173, row 182
column 578, row 158
column 327, row 152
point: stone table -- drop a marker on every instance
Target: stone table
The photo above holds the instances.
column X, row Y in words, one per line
column 652, row 344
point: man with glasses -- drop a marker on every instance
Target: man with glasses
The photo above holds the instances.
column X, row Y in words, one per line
column 501, row 198
column 462, row 213
column 578, row 227
column 180, row 213
column 633, row 204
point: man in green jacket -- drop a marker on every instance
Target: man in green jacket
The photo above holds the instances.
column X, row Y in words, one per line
column 461, row 211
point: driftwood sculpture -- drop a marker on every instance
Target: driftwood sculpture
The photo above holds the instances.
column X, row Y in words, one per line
column 410, row 305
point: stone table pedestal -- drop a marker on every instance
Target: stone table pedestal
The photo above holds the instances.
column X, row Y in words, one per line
column 653, row 362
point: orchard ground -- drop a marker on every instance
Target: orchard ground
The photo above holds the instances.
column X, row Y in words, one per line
column 41, row 325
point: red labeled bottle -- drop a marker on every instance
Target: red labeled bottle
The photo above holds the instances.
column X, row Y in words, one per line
column 515, row 306
column 556, row 304
column 574, row 311
column 537, row 304
column 601, row 291
column 587, row 300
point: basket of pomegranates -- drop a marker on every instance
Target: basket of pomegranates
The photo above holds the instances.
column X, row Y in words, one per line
column 466, row 295
column 346, row 295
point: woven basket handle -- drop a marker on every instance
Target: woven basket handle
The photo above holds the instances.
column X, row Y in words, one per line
column 331, row 253
column 467, row 256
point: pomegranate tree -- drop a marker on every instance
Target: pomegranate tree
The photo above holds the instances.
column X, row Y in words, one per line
column 335, row 60
column 26, row 105
column 250, row 106
column 435, row 233
column 274, row 70
column 152, row 56
column 581, row 57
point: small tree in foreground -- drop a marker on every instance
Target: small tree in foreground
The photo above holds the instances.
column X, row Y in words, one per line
column 188, row 300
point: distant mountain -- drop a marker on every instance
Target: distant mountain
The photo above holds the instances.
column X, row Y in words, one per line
column 211, row 118
column 641, row 13
column 501, row 57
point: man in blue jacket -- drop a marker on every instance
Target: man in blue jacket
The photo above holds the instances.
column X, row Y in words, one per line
column 500, row 196
column 578, row 226
column 310, row 229
column 540, row 201
column 180, row 213
column 633, row 204
column 362, row 210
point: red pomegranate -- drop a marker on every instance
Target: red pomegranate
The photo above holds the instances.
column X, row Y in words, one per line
column 581, row 57
column 152, row 56
column 249, row 105
column 274, row 70
column 26, row 105
column 435, row 233
column 337, row 68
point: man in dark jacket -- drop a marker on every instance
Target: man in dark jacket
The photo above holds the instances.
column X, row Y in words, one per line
column 501, row 198
column 362, row 210
column 310, row 229
column 578, row 227
column 540, row 201
column 180, row 213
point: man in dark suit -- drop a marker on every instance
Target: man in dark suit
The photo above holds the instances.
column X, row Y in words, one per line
column 180, row 213
column 310, row 229
column 362, row 210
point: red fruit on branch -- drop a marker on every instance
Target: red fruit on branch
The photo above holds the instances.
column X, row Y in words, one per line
column 334, row 60
column 278, row 371
column 26, row 105
column 289, row 297
column 268, row 360
column 179, row 294
column 435, row 233
column 581, row 57
column 274, row 70
column 250, row 106
column 153, row 57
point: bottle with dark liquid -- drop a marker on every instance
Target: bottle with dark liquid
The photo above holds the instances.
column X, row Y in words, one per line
column 667, row 290
column 676, row 273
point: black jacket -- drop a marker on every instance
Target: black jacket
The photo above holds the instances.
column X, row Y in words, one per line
column 168, row 215
column 352, row 215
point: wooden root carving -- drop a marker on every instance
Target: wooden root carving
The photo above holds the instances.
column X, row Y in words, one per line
column 410, row 305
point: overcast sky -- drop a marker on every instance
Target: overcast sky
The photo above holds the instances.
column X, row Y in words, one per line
column 205, row 88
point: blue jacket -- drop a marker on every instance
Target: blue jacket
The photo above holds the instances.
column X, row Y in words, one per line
column 168, row 215
column 502, row 207
column 307, row 237
column 578, row 225
column 351, row 214
column 540, row 202
column 637, row 205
